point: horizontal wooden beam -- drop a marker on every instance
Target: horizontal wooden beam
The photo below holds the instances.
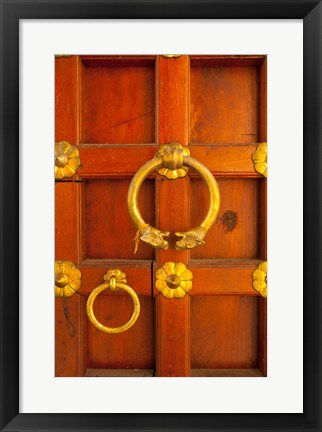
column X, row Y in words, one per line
column 221, row 277
column 119, row 373
column 108, row 160
column 226, row 373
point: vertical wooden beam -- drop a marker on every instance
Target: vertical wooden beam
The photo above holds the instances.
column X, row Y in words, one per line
column 173, row 214
column 263, row 221
column 263, row 101
column 68, row 214
column 67, row 91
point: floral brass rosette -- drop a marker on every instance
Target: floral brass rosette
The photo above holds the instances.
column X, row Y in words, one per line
column 67, row 279
column 260, row 279
column 66, row 160
column 260, row 159
column 173, row 280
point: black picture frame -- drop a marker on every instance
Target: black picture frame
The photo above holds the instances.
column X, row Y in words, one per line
column 11, row 12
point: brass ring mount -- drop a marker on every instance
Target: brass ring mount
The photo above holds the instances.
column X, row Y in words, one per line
column 172, row 161
column 114, row 280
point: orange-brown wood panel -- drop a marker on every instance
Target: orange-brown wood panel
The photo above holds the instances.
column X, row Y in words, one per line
column 224, row 332
column 68, row 337
column 235, row 234
column 67, row 99
column 68, row 221
column 226, row 160
column 68, row 246
column 263, row 101
column 263, row 204
column 172, row 213
column 263, row 336
column 172, row 83
column 226, row 60
column 263, row 301
column 113, row 160
column 134, row 348
column 224, row 104
column 117, row 103
column 263, row 219
column 173, row 336
column 125, row 160
column 109, row 232
column 223, row 373
column 223, row 277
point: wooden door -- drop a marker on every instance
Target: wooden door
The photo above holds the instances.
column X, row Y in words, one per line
column 117, row 111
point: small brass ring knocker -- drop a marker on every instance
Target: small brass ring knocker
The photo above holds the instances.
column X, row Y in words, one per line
column 172, row 163
column 115, row 279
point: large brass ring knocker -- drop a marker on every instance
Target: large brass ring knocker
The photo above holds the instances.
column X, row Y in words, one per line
column 172, row 161
column 115, row 279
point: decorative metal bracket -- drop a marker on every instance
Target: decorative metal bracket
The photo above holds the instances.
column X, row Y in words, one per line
column 260, row 279
column 173, row 280
column 259, row 158
column 66, row 160
column 67, row 279
column 172, row 155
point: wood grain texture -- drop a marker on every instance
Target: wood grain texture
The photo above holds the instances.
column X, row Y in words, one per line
column 125, row 160
column 133, row 349
column 222, row 277
column 226, row 160
column 68, row 337
column 109, row 232
column 173, row 336
column 263, row 219
column 263, row 101
column 172, row 89
column 224, row 104
column 263, row 302
column 232, row 61
column 172, row 214
column 68, row 221
column 224, row 373
column 262, row 358
column 130, row 373
column 235, row 234
column 224, row 332
column 123, row 61
column 67, row 73
column 118, row 104
column 104, row 160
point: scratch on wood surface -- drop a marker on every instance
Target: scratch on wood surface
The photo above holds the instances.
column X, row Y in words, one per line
column 132, row 119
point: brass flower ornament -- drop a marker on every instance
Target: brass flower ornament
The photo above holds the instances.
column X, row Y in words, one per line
column 67, row 279
column 260, row 159
column 173, row 280
column 260, row 279
column 66, row 160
